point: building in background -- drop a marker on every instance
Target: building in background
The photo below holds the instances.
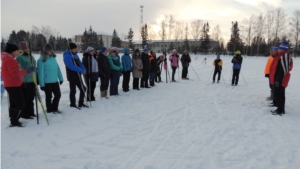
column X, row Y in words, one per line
column 107, row 38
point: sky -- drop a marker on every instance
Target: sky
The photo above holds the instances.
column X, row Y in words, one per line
column 71, row 17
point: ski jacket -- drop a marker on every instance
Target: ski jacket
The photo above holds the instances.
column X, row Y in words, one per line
column 174, row 58
column 185, row 60
column 126, row 61
column 88, row 64
column 146, row 62
column 48, row 71
column 11, row 71
column 153, row 63
column 268, row 65
column 115, row 64
column 280, row 69
column 137, row 66
column 237, row 61
column 24, row 61
column 103, row 66
column 218, row 64
column 72, row 69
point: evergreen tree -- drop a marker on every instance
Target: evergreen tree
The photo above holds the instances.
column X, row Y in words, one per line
column 130, row 38
column 205, row 44
column 116, row 41
column 144, row 35
column 101, row 43
column 52, row 41
column 3, row 44
column 13, row 38
column 235, row 42
column 171, row 47
column 90, row 38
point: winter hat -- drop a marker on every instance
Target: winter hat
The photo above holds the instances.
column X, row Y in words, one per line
column 47, row 47
column 23, row 45
column 274, row 48
column 145, row 49
column 284, row 46
column 112, row 50
column 174, row 50
column 103, row 49
column 10, row 48
column 72, row 46
column 89, row 49
column 218, row 57
column 238, row 52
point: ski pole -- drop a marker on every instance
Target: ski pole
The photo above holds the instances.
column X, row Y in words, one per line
column 195, row 72
column 244, row 78
column 90, row 82
column 210, row 74
column 37, row 111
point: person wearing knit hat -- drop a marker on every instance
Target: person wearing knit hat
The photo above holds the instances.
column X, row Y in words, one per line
column 146, row 69
column 12, row 76
column 26, row 61
column 50, row 78
column 104, row 71
column 218, row 68
column 137, row 68
column 115, row 72
column 185, row 62
column 237, row 61
column 91, row 77
column 174, row 58
column 74, row 70
column 279, row 77
column 127, row 69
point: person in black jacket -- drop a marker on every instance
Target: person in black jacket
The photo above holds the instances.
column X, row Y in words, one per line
column 153, row 68
column 237, row 65
column 92, row 73
column 218, row 68
column 185, row 61
column 159, row 61
column 146, row 69
column 104, row 71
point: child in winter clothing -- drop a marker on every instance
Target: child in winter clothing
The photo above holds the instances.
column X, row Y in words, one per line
column 91, row 77
column 218, row 68
column 12, row 77
column 137, row 66
column 116, row 69
column 104, row 71
column 50, row 78
column 26, row 61
column 237, row 65
column 127, row 68
column 185, row 61
column 174, row 58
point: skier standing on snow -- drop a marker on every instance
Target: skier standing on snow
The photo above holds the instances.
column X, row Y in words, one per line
column 137, row 68
column 218, row 68
column 127, row 68
column 280, row 76
column 273, row 51
column 146, row 68
column 74, row 69
column 92, row 74
column 50, row 78
column 24, row 61
column 153, row 67
column 12, row 77
column 116, row 69
column 104, row 71
column 237, row 65
column 174, row 58
column 159, row 61
column 185, row 61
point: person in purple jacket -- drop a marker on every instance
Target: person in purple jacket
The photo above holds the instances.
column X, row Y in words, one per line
column 174, row 58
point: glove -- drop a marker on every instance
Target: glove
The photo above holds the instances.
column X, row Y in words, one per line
column 266, row 75
column 61, row 82
column 43, row 88
column 276, row 84
column 31, row 69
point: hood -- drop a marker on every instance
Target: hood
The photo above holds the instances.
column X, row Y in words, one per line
column 125, row 50
column 5, row 55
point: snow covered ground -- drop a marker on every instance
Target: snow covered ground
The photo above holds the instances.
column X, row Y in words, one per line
column 184, row 125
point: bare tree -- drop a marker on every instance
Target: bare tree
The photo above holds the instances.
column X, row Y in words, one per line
column 162, row 33
column 47, row 31
column 151, row 33
column 280, row 22
column 259, row 29
column 295, row 28
column 249, row 31
column 177, row 31
column 171, row 22
column 216, row 33
column 196, row 28
column 270, row 17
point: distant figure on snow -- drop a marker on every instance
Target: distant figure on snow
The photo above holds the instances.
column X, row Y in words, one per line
column 218, row 68
column 237, row 65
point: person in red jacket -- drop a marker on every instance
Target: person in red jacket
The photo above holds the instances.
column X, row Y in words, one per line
column 12, row 76
column 280, row 76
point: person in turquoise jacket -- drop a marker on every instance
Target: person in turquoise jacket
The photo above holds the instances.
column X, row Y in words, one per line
column 116, row 69
column 50, row 78
column 28, row 87
column 127, row 69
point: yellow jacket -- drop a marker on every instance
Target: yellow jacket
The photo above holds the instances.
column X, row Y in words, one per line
column 268, row 65
column 220, row 63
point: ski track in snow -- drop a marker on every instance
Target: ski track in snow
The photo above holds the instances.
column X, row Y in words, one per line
column 184, row 125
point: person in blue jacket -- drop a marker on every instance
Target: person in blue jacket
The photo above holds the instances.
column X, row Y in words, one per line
column 74, row 69
column 127, row 69
column 50, row 78
column 237, row 65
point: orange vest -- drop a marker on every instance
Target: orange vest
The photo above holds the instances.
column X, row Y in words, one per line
column 268, row 66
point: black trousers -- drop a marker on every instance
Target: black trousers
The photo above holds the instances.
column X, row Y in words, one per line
column 52, row 88
column 73, row 85
column 279, row 97
column 126, row 79
column 104, row 83
column 158, row 77
column 219, row 75
column 173, row 72
column 184, row 72
column 90, row 88
column 29, row 95
column 135, row 83
column 235, row 76
column 145, row 79
column 16, row 102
